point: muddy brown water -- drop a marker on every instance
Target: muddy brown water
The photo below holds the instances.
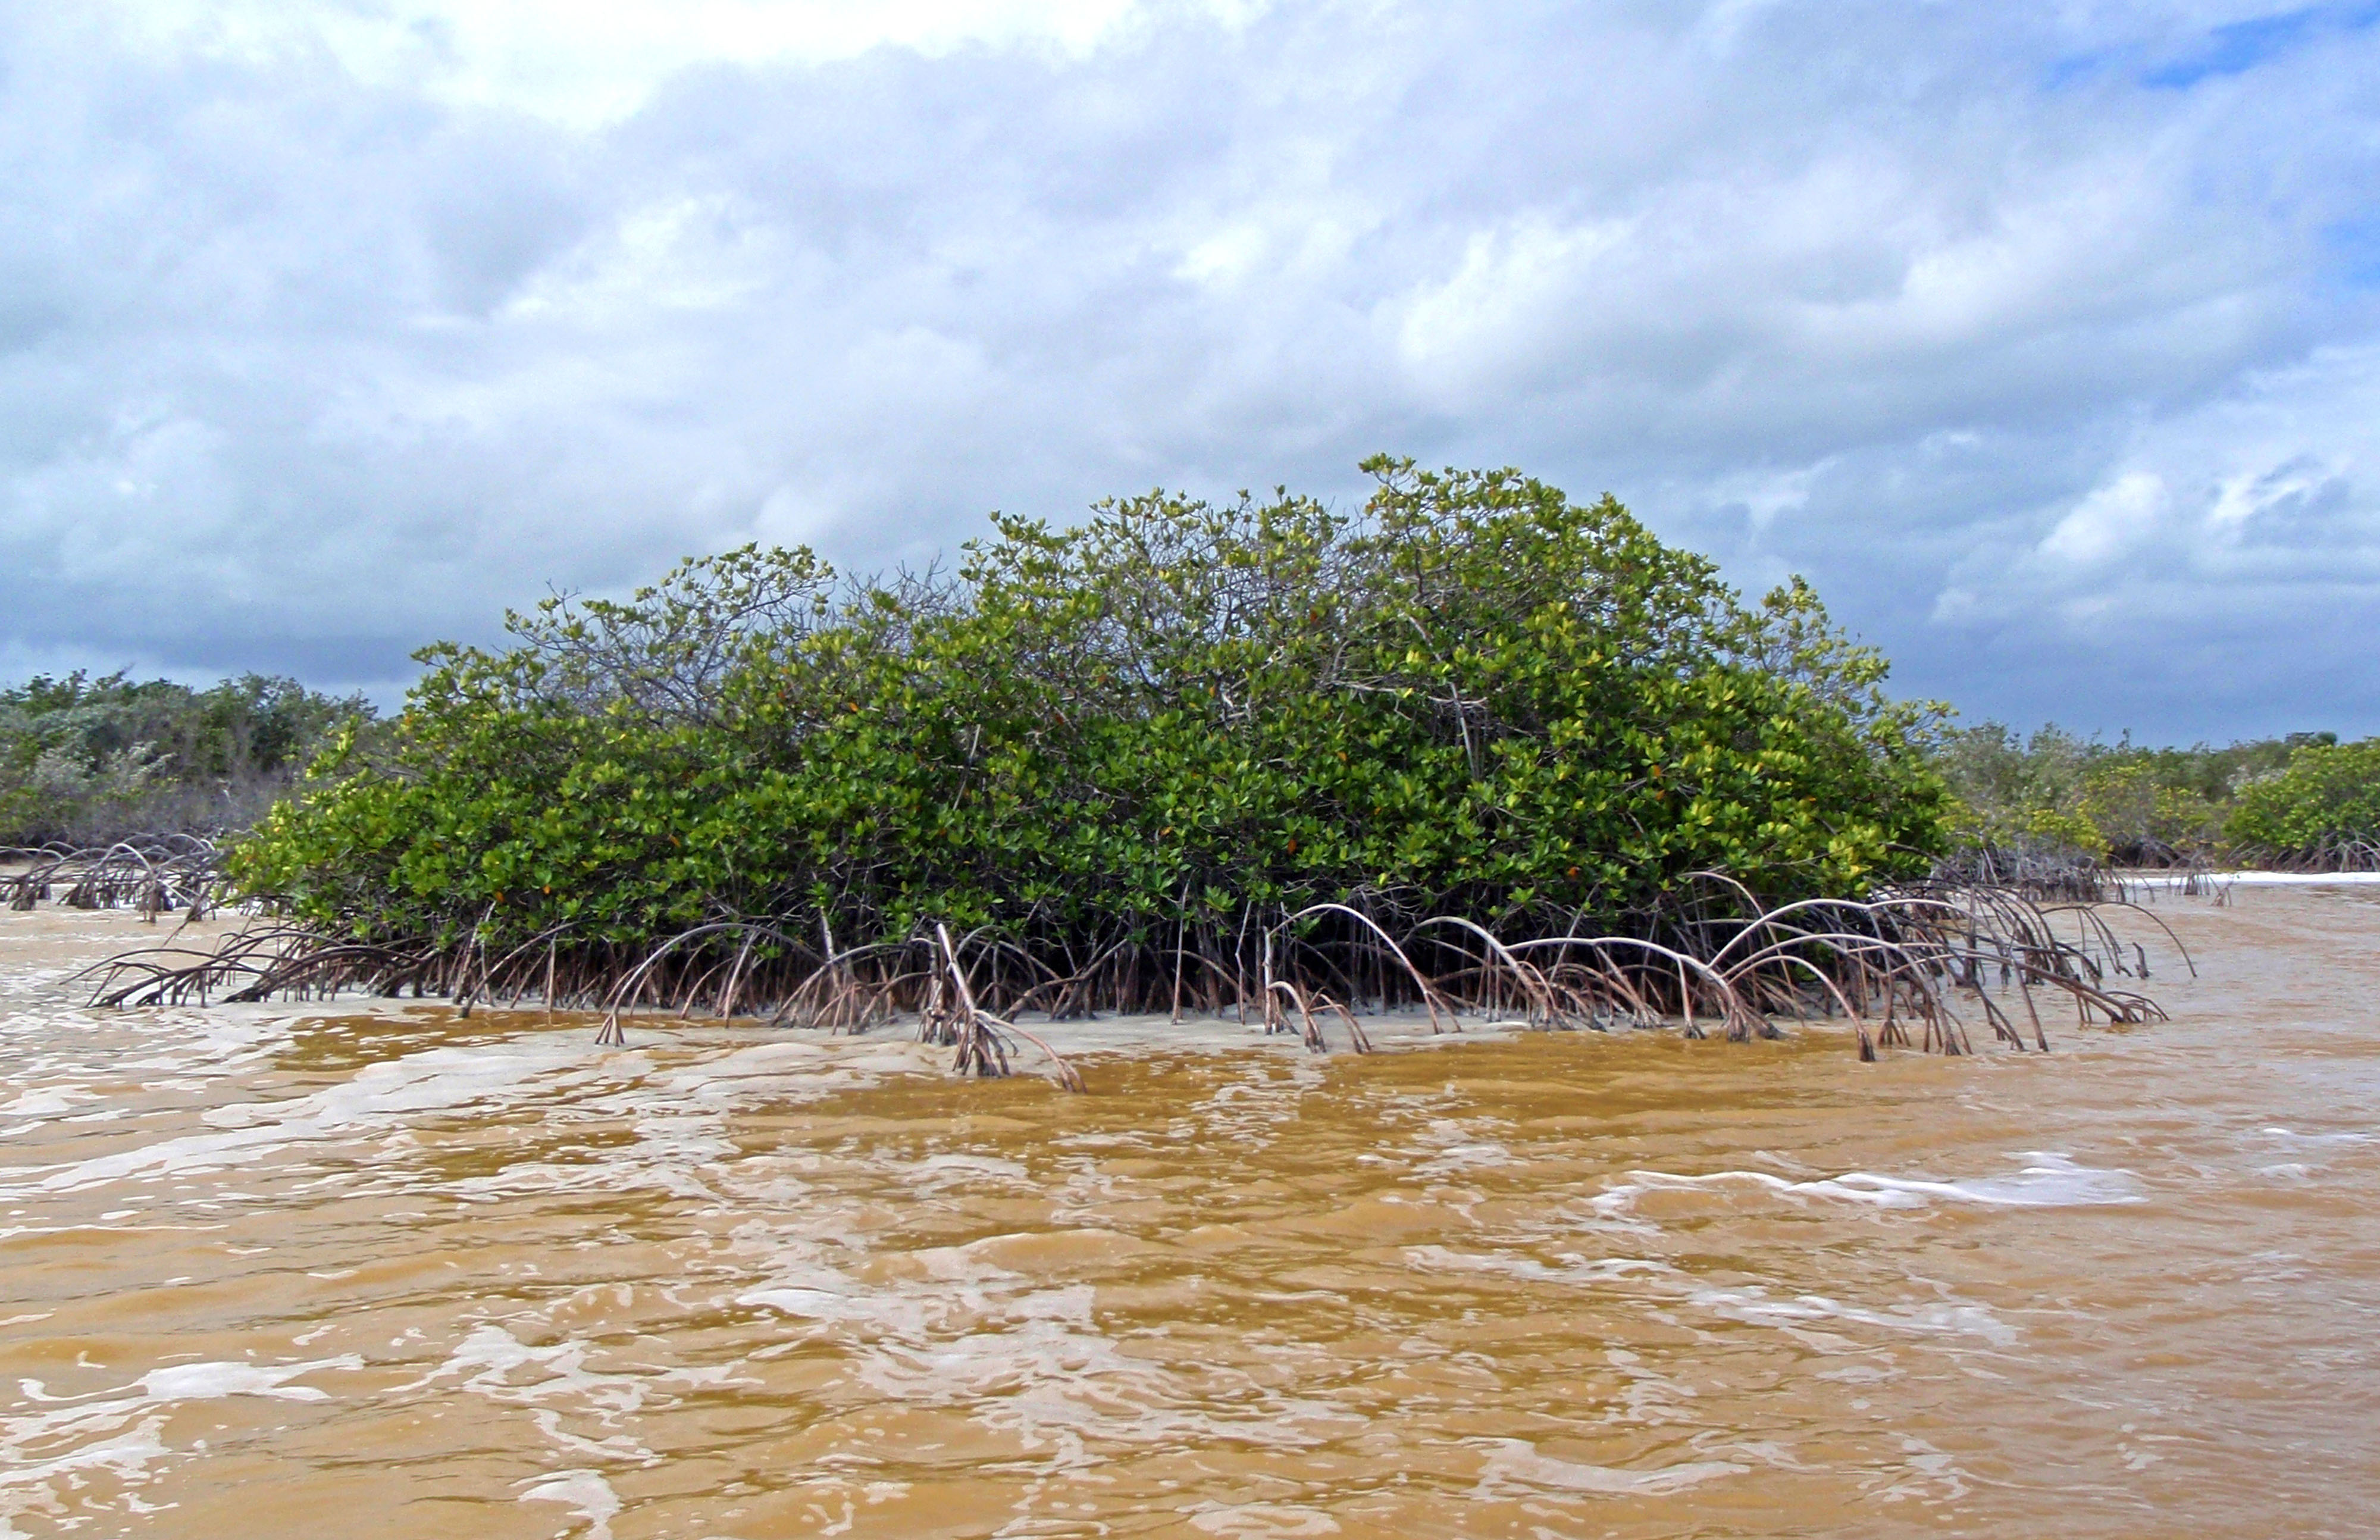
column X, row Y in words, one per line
column 269, row 1271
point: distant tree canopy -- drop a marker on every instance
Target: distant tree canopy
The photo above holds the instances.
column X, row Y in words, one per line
column 85, row 759
column 2325, row 800
column 1474, row 696
column 2294, row 799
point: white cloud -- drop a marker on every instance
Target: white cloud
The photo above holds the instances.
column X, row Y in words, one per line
column 326, row 328
column 1507, row 310
column 2111, row 521
column 587, row 63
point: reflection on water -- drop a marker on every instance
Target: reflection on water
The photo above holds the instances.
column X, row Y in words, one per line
column 425, row 1277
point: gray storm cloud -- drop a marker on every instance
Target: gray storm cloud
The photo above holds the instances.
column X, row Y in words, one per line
column 2043, row 340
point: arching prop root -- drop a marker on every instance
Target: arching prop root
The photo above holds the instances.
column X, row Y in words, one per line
column 1903, row 967
column 155, row 874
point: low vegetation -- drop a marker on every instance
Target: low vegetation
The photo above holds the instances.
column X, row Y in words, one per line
column 86, row 761
column 2058, row 802
column 1475, row 697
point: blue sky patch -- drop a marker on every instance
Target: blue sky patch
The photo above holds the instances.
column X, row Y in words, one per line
column 2242, row 46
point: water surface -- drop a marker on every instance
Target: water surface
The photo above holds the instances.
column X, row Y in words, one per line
column 265, row 1271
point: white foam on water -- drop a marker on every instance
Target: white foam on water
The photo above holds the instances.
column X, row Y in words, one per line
column 2291, row 1136
column 959, row 1294
column 804, row 1288
column 1574, row 1269
column 1260, row 1521
column 1756, row 1306
column 1751, row 1305
column 684, row 1142
column 1933, row 1475
column 964, row 1166
column 801, row 1069
column 170, row 1051
column 380, row 1096
column 2048, row 1181
column 817, row 1304
column 126, row 1455
column 1450, row 1146
column 488, row 1358
column 1251, row 1111
column 179, row 1382
column 1028, row 1357
column 95, row 1424
column 214, row 1381
column 192, row 1047
column 48, row 1101
column 554, row 1380
column 26, row 1486
column 1514, row 1469
column 1456, row 1159
column 587, row 1495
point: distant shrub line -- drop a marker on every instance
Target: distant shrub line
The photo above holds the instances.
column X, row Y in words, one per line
column 88, row 760
column 2304, row 801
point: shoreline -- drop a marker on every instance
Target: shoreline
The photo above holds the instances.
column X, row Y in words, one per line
column 2249, row 877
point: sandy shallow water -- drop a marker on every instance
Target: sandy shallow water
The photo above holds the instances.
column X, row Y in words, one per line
column 267, row 1271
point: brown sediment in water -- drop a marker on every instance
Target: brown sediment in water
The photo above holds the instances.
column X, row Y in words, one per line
column 264, row 1266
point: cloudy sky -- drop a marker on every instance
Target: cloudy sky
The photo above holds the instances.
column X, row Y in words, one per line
column 2045, row 338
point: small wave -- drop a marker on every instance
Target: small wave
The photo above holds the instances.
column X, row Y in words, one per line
column 2048, row 1181
column 1751, row 1305
column 180, row 1382
column 1573, row 1269
column 1465, row 1158
column 94, row 1426
column 1261, row 1520
column 1757, row 1307
column 1515, row 1463
column 439, row 1081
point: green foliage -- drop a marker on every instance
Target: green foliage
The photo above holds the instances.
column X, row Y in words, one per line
column 2010, row 793
column 84, row 759
column 2327, row 796
column 2137, row 813
column 1475, row 696
column 2056, row 793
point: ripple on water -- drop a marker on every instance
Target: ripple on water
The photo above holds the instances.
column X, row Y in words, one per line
column 440, row 1277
